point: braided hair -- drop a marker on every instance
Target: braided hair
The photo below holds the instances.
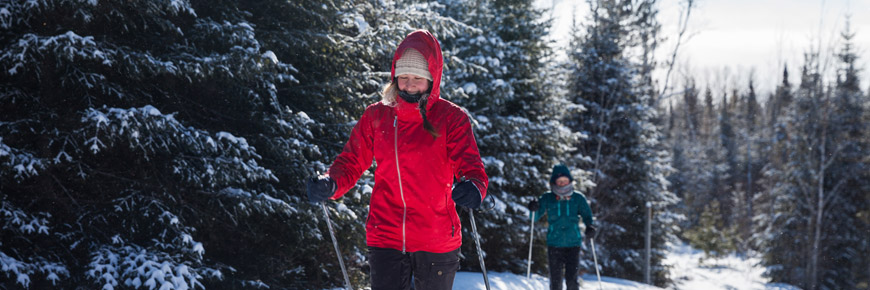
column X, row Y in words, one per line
column 428, row 126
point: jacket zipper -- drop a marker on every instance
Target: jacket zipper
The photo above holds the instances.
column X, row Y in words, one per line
column 399, row 173
column 452, row 221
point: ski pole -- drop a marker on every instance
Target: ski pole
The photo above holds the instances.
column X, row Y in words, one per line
column 479, row 252
column 595, row 258
column 335, row 243
column 531, row 240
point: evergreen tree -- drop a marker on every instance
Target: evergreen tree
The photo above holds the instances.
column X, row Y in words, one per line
column 693, row 160
column 499, row 74
column 786, row 239
column 777, row 136
column 711, row 235
column 728, row 145
column 752, row 148
column 143, row 143
column 820, row 191
column 840, row 228
column 622, row 142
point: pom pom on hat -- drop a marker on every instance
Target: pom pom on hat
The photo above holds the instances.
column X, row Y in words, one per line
column 413, row 62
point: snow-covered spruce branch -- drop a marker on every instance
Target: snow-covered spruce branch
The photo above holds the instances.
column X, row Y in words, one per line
column 19, row 163
column 22, row 223
column 197, row 153
column 14, row 13
column 25, row 56
column 22, row 271
column 241, row 34
column 134, row 266
column 68, row 47
column 169, row 227
column 255, row 202
column 16, row 222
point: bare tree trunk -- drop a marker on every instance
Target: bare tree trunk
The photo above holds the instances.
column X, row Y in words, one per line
column 820, row 207
column 682, row 26
column 824, row 162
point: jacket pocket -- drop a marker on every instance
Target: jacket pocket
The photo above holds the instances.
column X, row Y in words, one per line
column 453, row 218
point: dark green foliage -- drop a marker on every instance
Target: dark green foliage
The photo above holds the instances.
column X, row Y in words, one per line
column 629, row 168
column 152, row 133
column 711, row 235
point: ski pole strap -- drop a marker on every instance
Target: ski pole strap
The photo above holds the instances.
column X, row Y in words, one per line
column 335, row 244
column 479, row 252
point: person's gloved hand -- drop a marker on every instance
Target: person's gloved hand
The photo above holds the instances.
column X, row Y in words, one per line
column 466, row 194
column 590, row 231
column 320, row 188
column 534, row 205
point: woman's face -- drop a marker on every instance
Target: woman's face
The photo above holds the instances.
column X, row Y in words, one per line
column 413, row 84
column 562, row 181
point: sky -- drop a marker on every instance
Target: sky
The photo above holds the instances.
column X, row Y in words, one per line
column 729, row 39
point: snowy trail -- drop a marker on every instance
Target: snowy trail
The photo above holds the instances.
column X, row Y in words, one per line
column 509, row 281
column 731, row 272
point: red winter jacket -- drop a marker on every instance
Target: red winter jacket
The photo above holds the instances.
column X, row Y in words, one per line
column 411, row 207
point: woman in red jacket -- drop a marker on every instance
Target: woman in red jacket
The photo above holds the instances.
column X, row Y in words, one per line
column 422, row 145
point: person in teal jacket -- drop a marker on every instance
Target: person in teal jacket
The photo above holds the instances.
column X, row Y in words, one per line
column 564, row 207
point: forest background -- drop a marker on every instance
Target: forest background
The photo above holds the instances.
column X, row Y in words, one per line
column 166, row 143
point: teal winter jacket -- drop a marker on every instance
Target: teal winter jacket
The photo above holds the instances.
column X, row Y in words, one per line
column 564, row 215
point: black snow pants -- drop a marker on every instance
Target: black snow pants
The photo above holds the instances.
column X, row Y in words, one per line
column 393, row 270
column 567, row 259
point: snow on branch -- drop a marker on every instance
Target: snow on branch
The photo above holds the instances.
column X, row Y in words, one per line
column 17, row 162
column 23, row 271
column 69, row 47
column 240, row 34
column 22, row 223
column 17, row 12
column 169, row 230
column 18, row 223
column 133, row 267
column 198, row 156
column 262, row 202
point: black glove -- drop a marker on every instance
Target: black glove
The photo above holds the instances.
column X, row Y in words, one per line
column 534, row 205
column 466, row 194
column 590, row 231
column 320, row 188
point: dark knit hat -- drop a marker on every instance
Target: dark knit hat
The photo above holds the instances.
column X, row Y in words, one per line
column 558, row 171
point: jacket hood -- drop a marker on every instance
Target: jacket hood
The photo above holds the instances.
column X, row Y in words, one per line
column 560, row 170
column 424, row 42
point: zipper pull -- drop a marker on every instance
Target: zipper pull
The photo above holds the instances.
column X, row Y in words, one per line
column 395, row 121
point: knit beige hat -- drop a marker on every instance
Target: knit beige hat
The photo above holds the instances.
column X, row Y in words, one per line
column 413, row 62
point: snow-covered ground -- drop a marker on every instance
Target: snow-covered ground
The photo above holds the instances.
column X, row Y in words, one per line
column 505, row 281
column 731, row 272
